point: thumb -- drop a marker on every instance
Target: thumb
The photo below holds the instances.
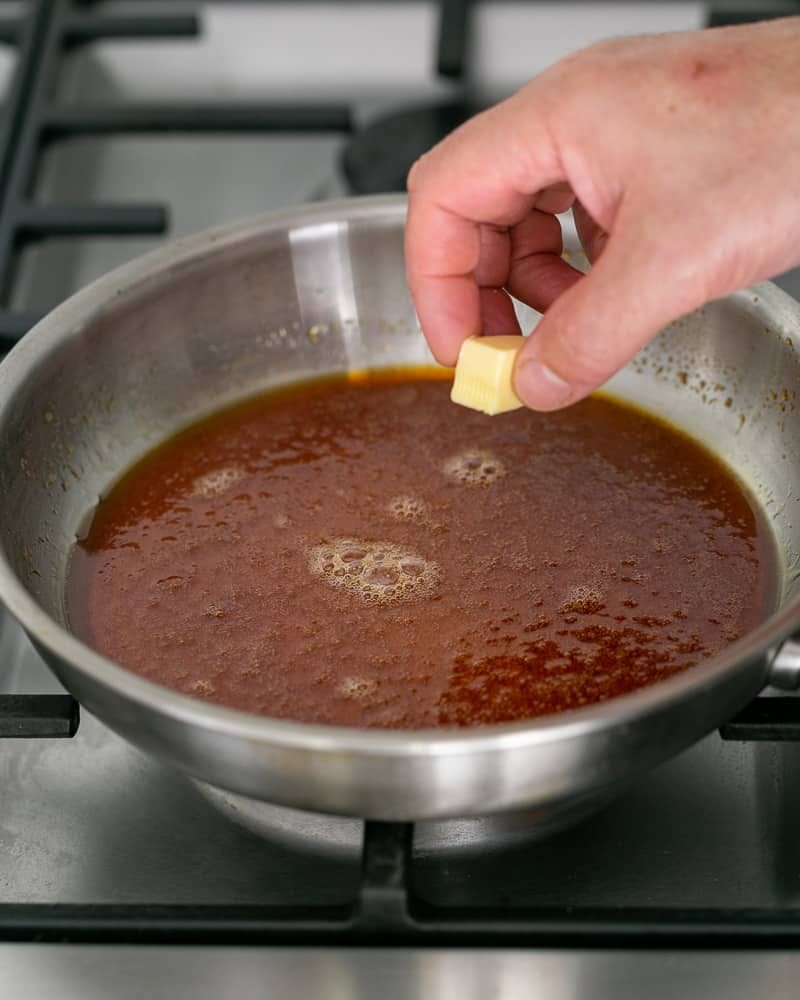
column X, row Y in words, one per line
column 598, row 324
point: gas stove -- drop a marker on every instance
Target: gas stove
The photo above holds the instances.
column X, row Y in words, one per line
column 128, row 122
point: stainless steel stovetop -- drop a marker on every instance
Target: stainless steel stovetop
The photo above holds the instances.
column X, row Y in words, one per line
column 91, row 822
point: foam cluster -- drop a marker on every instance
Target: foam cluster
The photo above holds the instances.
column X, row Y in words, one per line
column 475, row 467
column 408, row 508
column 358, row 688
column 583, row 600
column 211, row 484
column 376, row 572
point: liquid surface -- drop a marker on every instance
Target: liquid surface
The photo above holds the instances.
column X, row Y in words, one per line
column 365, row 553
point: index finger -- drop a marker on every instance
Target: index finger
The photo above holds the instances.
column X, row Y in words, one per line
column 488, row 171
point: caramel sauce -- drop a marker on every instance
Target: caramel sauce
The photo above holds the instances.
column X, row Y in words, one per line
column 360, row 551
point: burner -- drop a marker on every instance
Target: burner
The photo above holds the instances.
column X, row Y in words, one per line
column 377, row 159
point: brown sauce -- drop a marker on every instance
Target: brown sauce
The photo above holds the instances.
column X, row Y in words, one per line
column 362, row 552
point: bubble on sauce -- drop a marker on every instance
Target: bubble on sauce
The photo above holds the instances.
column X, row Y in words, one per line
column 377, row 572
column 358, row 687
column 583, row 600
column 211, row 484
column 475, row 467
column 408, row 508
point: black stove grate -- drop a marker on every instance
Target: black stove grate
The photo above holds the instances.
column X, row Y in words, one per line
column 387, row 910
column 42, row 34
column 38, row 716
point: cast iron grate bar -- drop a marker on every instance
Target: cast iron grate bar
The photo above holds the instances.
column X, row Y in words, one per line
column 383, row 902
column 30, row 716
column 29, row 38
column 9, row 31
column 453, row 46
column 721, row 18
column 90, row 220
column 59, row 122
column 775, row 719
column 88, row 26
column 555, row 926
column 387, row 911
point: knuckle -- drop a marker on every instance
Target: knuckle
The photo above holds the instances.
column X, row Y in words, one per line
column 579, row 70
column 417, row 173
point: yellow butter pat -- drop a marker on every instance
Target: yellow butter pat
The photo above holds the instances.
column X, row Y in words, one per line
column 484, row 373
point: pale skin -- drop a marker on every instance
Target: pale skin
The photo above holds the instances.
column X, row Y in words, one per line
column 680, row 156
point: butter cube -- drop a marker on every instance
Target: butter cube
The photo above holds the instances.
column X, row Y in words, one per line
column 483, row 379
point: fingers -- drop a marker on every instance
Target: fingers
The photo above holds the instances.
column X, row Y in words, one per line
column 496, row 309
column 537, row 273
column 555, row 199
column 497, row 313
column 442, row 251
column 494, row 251
column 596, row 326
column 454, row 190
column 526, row 260
column 593, row 238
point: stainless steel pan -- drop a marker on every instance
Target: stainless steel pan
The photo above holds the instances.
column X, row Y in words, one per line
column 225, row 314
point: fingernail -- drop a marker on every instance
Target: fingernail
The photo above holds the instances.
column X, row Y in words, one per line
column 539, row 387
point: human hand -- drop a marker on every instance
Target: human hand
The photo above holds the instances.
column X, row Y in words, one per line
column 680, row 155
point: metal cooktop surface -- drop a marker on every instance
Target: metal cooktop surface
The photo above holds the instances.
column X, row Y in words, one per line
column 682, row 882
